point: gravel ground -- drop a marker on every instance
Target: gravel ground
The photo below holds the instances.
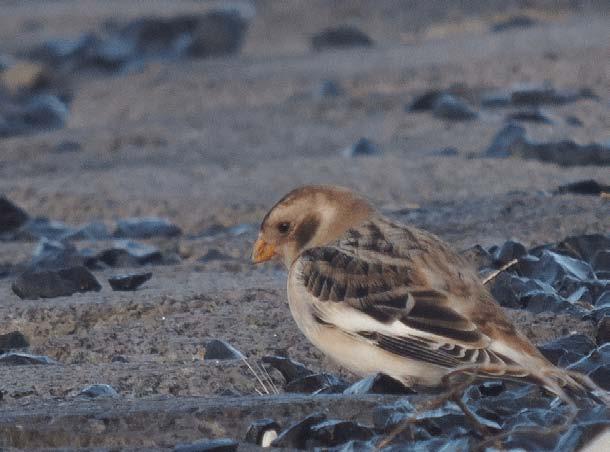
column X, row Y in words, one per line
column 217, row 141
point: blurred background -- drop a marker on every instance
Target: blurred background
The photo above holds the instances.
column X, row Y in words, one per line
column 208, row 110
column 156, row 134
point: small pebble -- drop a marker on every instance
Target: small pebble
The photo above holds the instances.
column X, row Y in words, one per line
column 129, row 282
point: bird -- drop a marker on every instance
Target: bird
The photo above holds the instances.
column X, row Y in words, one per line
column 378, row 296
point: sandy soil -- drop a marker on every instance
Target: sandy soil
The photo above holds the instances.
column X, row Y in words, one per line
column 219, row 140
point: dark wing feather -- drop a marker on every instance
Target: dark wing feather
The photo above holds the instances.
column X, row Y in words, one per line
column 389, row 291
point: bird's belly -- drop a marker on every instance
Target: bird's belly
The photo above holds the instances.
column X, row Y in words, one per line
column 364, row 358
column 360, row 356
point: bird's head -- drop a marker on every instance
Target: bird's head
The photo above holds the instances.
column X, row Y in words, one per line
column 309, row 216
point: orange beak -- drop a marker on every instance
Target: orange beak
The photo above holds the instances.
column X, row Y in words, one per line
column 262, row 251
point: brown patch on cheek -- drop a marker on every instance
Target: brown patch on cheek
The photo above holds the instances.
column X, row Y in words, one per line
column 306, row 230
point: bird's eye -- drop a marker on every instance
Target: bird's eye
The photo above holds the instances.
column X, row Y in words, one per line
column 283, row 227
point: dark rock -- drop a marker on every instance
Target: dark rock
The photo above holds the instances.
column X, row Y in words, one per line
column 209, row 445
column 567, row 350
column 596, row 365
column 448, row 420
column 32, row 285
column 295, row 436
column 64, row 52
column 582, row 434
column 67, row 147
column 55, row 255
column 492, row 388
column 536, row 115
column 48, row 229
column 16, row 359
column 552, row 267
column 316, row 383
column 584, row 247
column 573, row 121
column 544, row 302
column 129, row 282
column 580, row 295
column 335, row 432
column 531, row 440
column 362, row 147
column 12, row 341
column 45, row 112
column 354, row 446
column 584, row 187
column 119, row 359
column 291, row 370
column 511, row 402
column 478, row 256
column 5, row 270
column 512, row 141
column 601, row 261
column 450, row 423
column 126, row 253
column 508, row 251
column 425, row 101
column 567, row 153
column 437, row 444
column 495, row 99
column 513, row 22
column 241, row 229
column 261, row 430
column 12, row 217
column 216, row 349
column 236, row 230
column 602, row 335
column 330, row 88
column 601, row 376
column 570, row 285
column 378, row 384
column 598, row 313
column 340, row 37
column 99, row 391
column 145, row 228
column 6, row 61
column 114, row 54
column 531, row 94
column 219, row 32
column 453, row 108
column 91, row 231
column 511, row 137
column 386, row 417
column 214, row 255
column 509, row 290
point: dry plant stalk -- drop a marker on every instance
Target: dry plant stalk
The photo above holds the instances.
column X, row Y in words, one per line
column 265, row 390
column 493, row 275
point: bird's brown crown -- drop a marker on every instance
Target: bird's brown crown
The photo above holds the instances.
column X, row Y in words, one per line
column 309, row 216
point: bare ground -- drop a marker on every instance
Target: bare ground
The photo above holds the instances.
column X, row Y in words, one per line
column 218, row 141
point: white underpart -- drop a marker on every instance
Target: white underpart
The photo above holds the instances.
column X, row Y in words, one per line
column 355, row 353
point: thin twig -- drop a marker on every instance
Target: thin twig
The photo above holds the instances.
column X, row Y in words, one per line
column 497, row 272
column 265, row 372
column 243, row 358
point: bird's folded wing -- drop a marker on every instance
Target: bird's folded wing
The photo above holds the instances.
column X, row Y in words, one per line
column 377, row 302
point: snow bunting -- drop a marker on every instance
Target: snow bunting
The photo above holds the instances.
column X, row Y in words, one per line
column 379, row 296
